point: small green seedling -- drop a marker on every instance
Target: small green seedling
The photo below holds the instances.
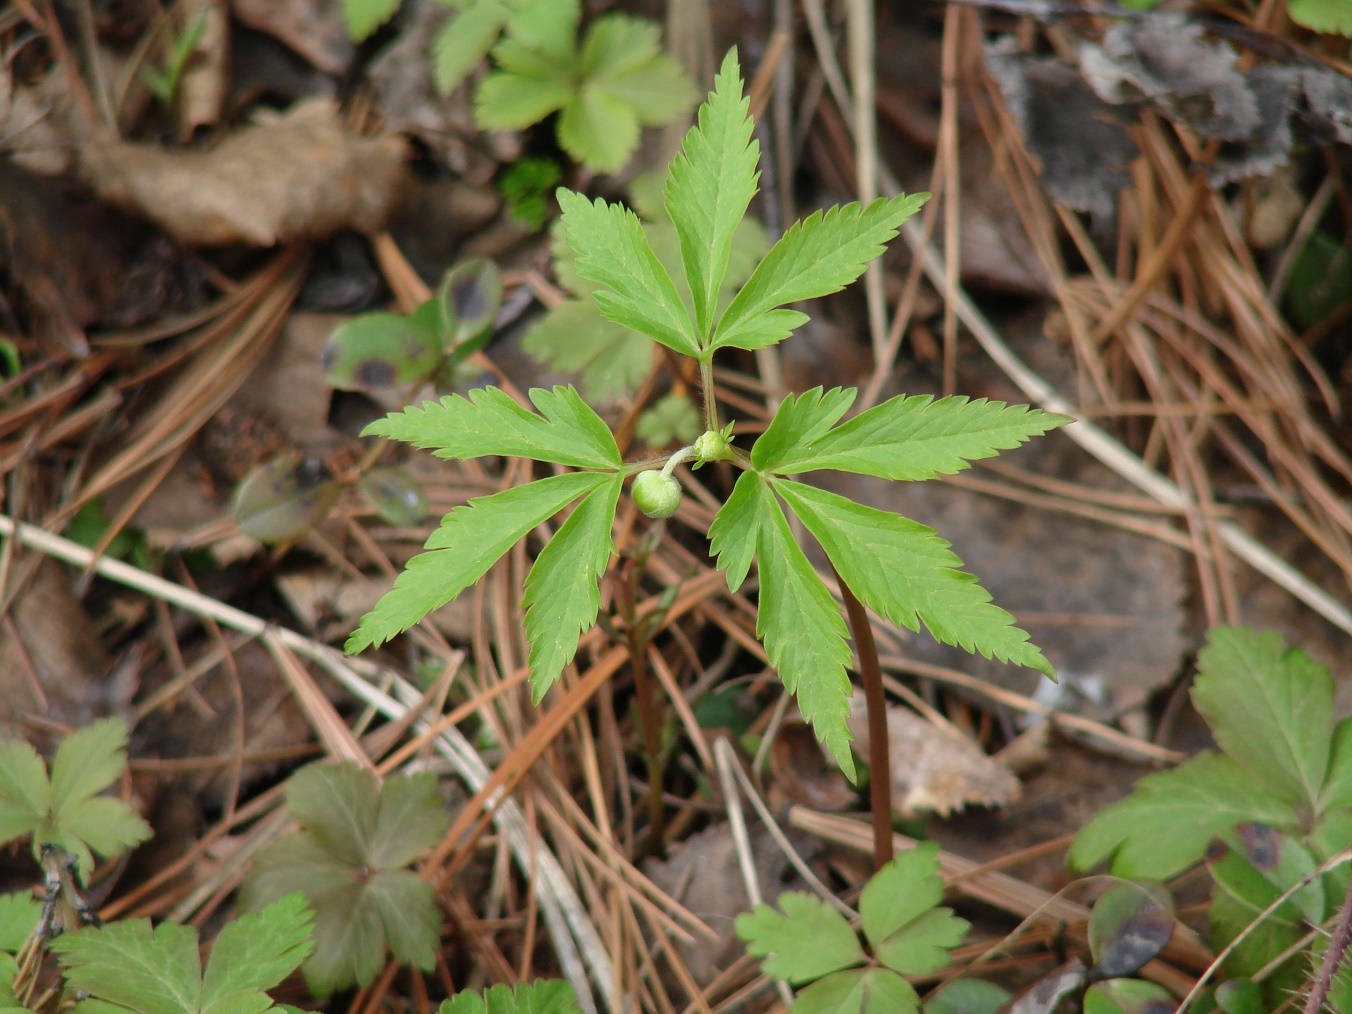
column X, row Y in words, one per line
column 163, row 82
column 526, row 186
column 900, row 569
column 65, row 808
column 605, row 87
column 811, row 946
column 128, row 968
column 1262, row 814
column 350, row 860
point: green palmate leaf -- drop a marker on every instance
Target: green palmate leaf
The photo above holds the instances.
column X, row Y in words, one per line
column 127, row 966
column 803, row 631
column 562, row 598
column 470, row 540
column 904, row 571
column 548, row 26
column 1164, row 826
column 805, row 941
column 514, row 101
column 599, row 130
column 363, row 17
column 64, row 809
column 858, row 991
column 1337, row 792
column 903, row 438
column 132, row 967
column 568, row 432
column 622, row 57
column 672, row 419
column 817, row 256
column 1330, row 16
column 18, row 916
column 348, row 861
column 634, row 289
column 800, row 421
column 711, row 185
column 1269, row 708
column 573, row 337
column 547, row 996
column 257, row 951
column 465, row 40
column 736, row 529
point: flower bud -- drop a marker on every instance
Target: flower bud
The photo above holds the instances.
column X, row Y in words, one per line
column 655, row 494
column 711, row 446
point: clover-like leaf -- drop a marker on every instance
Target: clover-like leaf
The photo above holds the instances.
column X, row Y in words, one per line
column 909, row 934
column 128, row 967
column 546, row 996
column 804, row 941
column 858, row 991
column 66, row 809
column 349, row 861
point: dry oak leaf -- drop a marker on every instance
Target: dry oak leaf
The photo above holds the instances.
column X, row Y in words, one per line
column 935, row 768
column 300, row 176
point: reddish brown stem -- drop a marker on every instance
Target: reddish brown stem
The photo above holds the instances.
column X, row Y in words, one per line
column 879, row 756
column 1333, row 955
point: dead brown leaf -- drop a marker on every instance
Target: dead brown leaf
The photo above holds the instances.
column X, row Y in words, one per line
column 301, row 176
column 935, row 768
column 703, row 875
column 312, row 28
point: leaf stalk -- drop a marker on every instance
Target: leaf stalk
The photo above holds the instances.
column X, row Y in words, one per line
column 879, row 754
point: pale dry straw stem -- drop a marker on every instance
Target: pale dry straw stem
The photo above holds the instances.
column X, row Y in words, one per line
column 726, row 761
column 860, row 31
column 954, row 19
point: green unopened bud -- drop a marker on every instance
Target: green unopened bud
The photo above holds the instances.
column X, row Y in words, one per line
column 655, row 494
column 711, row 446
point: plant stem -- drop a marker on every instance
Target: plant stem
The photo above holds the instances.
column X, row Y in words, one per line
column 1333, row 955
column 706, row 380
column 650, row 722
column 649, row 713
column 879, row 756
